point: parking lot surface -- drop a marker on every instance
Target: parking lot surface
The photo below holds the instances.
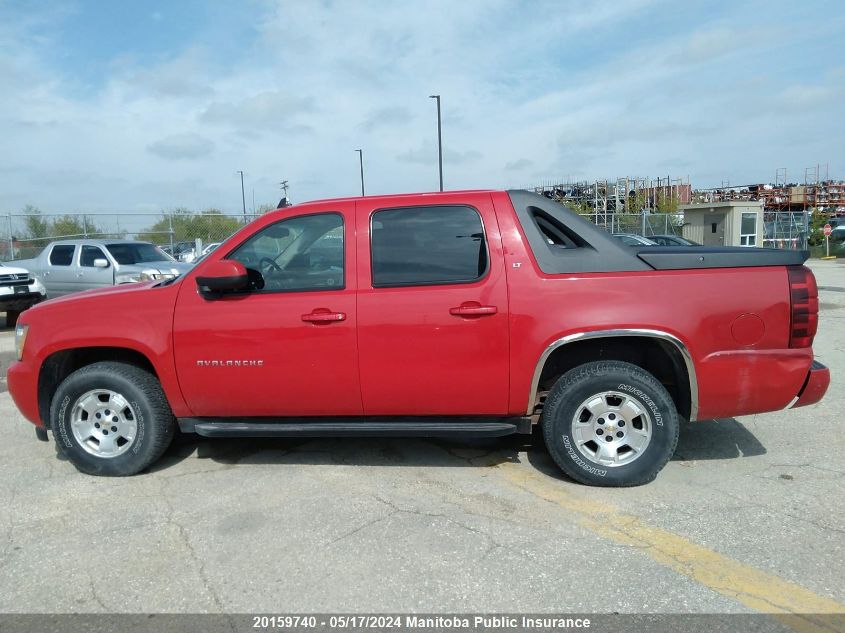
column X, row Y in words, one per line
column 746, row 517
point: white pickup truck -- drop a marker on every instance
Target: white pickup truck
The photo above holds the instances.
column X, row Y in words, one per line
column 19, row 290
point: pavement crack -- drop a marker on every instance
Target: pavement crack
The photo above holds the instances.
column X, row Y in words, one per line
column 97, row 597
column 198, row 561
column 362, row 527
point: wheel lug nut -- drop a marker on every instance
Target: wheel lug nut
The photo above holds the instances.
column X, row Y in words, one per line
column 114, row 430
column 618, row 434
column 621, row 423
column 114, row 419
column 98, row 416
column 612, row 416
column 105, row 432
column 608, row 437
column 600, row 420
column 599, row 432
column 96, row 425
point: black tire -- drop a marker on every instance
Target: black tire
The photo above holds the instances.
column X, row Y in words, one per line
column 12, row 317
column 576, row 387
column 155, row 422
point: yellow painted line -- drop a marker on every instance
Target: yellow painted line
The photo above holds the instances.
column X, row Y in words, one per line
column 792, row 604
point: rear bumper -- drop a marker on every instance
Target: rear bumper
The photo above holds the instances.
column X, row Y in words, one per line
column 818, row 380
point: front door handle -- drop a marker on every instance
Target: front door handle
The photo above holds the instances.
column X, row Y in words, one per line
column 324, row 316
column 472, row 310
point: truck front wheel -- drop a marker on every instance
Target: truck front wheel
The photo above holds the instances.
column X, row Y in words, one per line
column 610, row 423
column 111, row 419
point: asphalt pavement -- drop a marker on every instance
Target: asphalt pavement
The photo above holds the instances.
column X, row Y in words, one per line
column 747, row 517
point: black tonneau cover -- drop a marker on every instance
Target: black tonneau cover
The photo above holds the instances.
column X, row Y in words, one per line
column 593, row 249
column 685, row 257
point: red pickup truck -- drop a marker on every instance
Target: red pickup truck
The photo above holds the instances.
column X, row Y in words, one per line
column 459, row 313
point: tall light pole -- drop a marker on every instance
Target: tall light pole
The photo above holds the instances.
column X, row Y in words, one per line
column 439, row 141
column 243, row 195
column 361, row 162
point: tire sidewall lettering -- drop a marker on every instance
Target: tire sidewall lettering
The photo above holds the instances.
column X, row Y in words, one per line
column 139, row 420
column 645, row 399
column 63, row 423
column 575, row 457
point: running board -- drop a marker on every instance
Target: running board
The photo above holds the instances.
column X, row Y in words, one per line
column 351, row 427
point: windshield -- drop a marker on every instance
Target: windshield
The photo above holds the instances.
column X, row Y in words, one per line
column 140, row 253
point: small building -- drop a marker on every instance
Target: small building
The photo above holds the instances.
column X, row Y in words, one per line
column 726, row 223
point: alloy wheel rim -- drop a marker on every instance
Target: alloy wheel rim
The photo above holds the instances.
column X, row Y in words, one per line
column 611, row 429
column 103, row 422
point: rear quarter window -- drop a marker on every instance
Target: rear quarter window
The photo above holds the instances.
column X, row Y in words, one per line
column 62, row 255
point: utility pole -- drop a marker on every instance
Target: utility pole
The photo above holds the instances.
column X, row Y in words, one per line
column 439, row 140
column 361, row 162
column 284, row 202
column 243, row 195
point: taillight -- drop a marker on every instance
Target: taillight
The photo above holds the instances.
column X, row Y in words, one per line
column 804, row 299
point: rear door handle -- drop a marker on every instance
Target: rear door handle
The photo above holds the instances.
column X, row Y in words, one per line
column 472, row 310
column 324, row 316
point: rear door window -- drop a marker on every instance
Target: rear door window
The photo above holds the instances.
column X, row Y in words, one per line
column 62, row 255
column 421, row 246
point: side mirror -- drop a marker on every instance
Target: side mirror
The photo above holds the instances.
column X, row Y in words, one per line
column 223, row 275
column 101, row 263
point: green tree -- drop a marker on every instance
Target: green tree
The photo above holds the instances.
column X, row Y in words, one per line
column 73, row 226
column 636, row 202
column 210, row 226
column 667, row 204
column 36, row 227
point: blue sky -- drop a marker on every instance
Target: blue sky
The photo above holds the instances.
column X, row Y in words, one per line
column 143, row 106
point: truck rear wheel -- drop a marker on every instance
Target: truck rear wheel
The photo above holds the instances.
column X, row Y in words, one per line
column 111, row 419
column 610, row 423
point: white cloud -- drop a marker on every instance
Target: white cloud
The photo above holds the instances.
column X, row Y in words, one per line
column 267, row 112
column 178, row 146
column 529, row 91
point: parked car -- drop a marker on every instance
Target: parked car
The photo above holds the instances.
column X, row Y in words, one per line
column 185, row 251
column 19, row 290
column 631, row 239
column 69, row 266
column 440, row 314
column 210, row 247
column 672, row 240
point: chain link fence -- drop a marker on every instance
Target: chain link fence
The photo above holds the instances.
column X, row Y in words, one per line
column 644, row 224
column 23, row 236
column 786, row 229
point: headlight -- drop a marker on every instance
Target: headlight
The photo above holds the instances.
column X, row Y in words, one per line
column 20, row 339
column 39, row 287
column 131, row 278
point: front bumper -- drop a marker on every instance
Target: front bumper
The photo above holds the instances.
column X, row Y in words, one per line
column 818, row 380
column 22, row 380
column 20, row 301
